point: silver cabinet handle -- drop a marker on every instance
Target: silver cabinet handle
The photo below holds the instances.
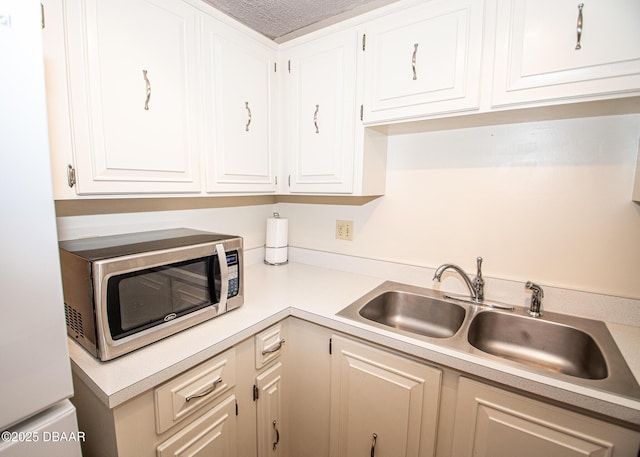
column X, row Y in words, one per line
column 413, row 61
column 315, row 118
column 579, row 27
column 205, row 392
column 246, row 105
column 148, row 84
column 275, row 348
column 373, row 445
column 275, row 429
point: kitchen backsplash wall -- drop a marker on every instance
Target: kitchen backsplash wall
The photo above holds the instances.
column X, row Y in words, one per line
column 247, row 221
column 545, row 201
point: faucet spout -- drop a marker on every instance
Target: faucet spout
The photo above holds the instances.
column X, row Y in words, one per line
column 442, row 268
column 476, row 287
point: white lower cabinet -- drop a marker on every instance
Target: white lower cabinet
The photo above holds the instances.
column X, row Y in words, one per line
column 491, row 422
column 268, row 393
column 328, row 395
column 382, row 404
column 213, row 434
column 269, row 411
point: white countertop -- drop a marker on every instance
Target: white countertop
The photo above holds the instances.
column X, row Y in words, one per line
column 317, row 294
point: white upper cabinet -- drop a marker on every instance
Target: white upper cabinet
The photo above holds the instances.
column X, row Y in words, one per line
column 328, row 149
column 553, row 51
column 238, row 128
column 133, row 95
column 423, row 61
column 171, row 96
column 321, row 104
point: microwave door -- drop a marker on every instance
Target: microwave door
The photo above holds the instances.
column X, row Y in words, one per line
column 224, row 278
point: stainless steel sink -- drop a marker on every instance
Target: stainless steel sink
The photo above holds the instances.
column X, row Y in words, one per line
column 581, row 351
column 415, row 313
column 540, row 343
column 408, row 310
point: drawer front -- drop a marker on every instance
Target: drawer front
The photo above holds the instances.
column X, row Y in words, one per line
column 186, row 394
column 212, row 434
column 269, row 344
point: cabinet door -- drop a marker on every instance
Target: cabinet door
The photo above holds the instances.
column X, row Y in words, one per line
column 494, row 423
column 381, row 404
column 238, row 74
column 322, row 114
column 132, row 88
column 212, row 434
column 423, row 61
column 538, row 57
column 269, row 412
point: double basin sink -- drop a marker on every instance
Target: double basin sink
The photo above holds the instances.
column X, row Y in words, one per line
column 576, row 349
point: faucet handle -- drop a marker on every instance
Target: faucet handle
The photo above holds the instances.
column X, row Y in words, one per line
column 478, row 282
column 536, row 298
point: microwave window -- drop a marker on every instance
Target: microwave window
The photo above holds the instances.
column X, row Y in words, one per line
column 149, row 297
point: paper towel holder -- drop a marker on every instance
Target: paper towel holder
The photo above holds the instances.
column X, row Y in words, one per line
column 276, row 215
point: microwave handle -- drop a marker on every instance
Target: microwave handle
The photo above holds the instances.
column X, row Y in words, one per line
column 224, row 278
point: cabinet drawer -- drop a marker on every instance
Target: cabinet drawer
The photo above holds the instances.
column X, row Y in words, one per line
column 269, row 345
column 190, row 391
column 212, row 434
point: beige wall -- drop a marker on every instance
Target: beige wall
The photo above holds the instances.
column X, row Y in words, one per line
column 546, row 201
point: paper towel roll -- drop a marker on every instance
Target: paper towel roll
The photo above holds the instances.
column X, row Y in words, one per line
column 277, row 232
column 277, row 240
column 276, row 256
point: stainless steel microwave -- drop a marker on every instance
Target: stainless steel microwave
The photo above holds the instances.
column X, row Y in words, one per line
column 123, row 292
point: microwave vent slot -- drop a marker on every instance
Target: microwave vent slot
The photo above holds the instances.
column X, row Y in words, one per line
column 74, row 320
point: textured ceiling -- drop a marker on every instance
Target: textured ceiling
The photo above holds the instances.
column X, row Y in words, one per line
column 276, row 18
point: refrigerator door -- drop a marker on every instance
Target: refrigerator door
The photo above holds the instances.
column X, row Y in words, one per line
column 53, row 433
column 34, row 363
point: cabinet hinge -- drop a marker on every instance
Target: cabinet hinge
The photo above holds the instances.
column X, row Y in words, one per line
column 236, row 407
column 71, row 176
column 276, row 180
column 361, row 112
column 330, row 346
column 275, row 67
column 289, row 65
column 289, row 181
column 42, row 13
column 256, row 393
column 364, row 41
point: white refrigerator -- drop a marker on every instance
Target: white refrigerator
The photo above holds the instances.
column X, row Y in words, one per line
column 36, row 417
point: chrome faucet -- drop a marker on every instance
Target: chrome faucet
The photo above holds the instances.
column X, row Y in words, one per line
column 476, row 287
column 537, row 294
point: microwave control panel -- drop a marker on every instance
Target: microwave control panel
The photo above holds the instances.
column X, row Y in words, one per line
column 234, row 273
